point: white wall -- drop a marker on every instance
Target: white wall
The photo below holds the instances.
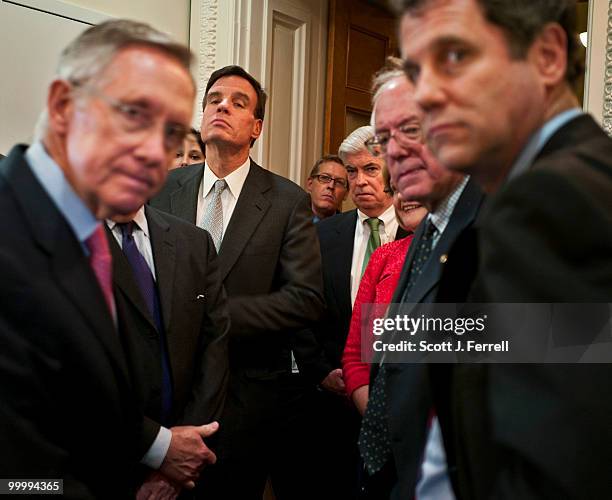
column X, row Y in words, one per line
column 35, row 31
column 171, row 16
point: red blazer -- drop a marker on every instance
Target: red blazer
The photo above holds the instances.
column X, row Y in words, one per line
column 377, row 286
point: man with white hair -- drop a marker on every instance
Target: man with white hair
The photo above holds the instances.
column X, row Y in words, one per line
column 347, row 241
column 117, row 110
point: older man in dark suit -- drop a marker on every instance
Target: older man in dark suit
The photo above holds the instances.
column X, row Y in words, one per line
column 270, row 266
column 69, row 409
column 528, row 431
column 453, row 202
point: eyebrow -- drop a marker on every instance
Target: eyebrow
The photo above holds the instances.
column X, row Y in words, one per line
column 241, row 95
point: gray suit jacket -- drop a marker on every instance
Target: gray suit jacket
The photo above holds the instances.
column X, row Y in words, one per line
column 195, row 317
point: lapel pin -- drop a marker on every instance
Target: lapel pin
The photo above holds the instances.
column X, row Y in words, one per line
column 201, row 296
column 443, row 258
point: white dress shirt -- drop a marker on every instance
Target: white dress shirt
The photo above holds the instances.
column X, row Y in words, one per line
column 229, row 196
column 388, row 230
column 157, row 452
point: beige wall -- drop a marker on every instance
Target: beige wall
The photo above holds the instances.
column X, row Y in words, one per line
column 171, row 16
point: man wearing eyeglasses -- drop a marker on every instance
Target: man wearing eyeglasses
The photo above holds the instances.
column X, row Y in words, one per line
column 117, row 110
column 347, row 240
column 328, row 187
column 415, row 460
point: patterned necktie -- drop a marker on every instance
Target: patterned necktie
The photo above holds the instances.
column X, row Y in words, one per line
column 373, row 241
column 374, row 440
column 212, row 220
column 146, row 283
column 101, row 263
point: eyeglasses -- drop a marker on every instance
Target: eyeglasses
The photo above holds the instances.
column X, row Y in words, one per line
column 137, row 118
column 405, row 135
column 326, row 179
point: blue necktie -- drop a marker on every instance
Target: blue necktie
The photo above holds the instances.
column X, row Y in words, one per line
column 148, row 288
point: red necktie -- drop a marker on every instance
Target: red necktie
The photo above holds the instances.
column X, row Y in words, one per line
column 101, row 262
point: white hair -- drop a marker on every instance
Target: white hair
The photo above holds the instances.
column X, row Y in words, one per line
column 355, row 142
column 86, row 57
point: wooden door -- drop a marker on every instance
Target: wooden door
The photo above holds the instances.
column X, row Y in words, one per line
column 361, row 35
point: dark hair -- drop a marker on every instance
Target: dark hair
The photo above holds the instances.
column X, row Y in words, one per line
column 521, row 21
column 198, row 137
column 325, row 159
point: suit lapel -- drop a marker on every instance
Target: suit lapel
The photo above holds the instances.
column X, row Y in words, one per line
column 184, row 200
column 124, row 281
column 164, row 256
column 250, row 209
column 463, row 215
column 343, row 259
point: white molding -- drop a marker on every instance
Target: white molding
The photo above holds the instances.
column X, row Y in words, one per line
column 607, row 97
column 63, row 9
column 595, row 76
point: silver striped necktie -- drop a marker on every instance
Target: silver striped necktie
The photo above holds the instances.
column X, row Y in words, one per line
column 212, row 220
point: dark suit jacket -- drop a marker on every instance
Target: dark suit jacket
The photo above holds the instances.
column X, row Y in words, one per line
column 195, row 320
column 68, row 407
column 410, row 396
column 270, row 266
column 336, row 237
column 543, row 431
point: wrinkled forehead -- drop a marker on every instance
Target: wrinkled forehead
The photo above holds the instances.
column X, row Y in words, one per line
column 362, row 159
column 396, row 104
column 439, row 22
column 331, row 167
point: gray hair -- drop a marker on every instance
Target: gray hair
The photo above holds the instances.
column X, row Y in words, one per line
column 392, row 69
column 87, row 56
column 355, row 142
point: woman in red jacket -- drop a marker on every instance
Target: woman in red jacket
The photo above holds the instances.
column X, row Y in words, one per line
column 377, row 286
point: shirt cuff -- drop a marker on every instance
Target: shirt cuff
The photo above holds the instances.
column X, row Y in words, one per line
column 157, row 452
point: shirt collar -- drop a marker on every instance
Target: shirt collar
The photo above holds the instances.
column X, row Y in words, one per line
column 387, row 217
column 538, row 140
column 443, row 213
column 140, row 219
column 235, row 181
column 55, row 184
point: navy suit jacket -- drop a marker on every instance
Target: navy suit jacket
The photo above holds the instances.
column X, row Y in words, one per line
column 410, row 394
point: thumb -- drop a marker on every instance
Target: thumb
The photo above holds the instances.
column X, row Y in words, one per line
column 208, row 429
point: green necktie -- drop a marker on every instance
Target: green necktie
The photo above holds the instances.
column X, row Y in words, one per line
column 373, row 241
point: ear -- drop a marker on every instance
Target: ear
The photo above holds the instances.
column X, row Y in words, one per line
column 309, row 184
column 548, row 54
column 257, row 126
column 60, row 105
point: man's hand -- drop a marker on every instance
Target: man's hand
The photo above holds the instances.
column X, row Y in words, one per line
column 187, row 454
column 157, row 487
column 334, row 383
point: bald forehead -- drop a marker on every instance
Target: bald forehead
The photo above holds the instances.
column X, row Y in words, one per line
column 397, row 98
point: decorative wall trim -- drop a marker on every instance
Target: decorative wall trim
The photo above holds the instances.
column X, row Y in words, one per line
column 607, row 97
column 206, row 22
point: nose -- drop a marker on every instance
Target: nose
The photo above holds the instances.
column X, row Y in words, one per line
column 361, row 179
column 394, row 149
column 152, row 150
column 429, row 92
column 223, row 104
